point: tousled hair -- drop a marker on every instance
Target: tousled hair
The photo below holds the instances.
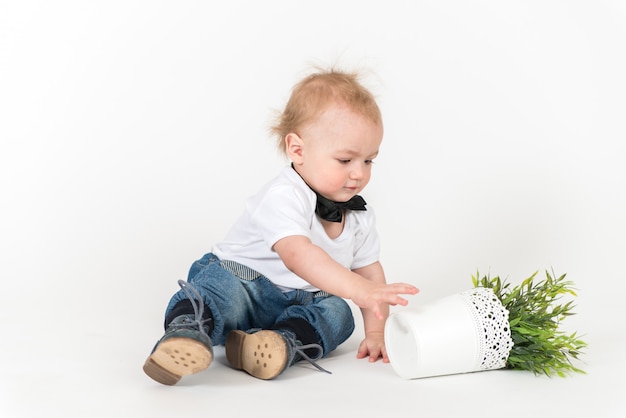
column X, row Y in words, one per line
column 315, row 93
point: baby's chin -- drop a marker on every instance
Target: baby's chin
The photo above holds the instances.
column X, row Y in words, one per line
column 345, row 196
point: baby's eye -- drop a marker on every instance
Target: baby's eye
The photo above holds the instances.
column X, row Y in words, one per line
column 344, row 161
column 368, row 162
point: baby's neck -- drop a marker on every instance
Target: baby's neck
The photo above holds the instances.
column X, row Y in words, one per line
column 333, row 229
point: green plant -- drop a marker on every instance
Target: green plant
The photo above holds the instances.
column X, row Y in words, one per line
column 534, row 318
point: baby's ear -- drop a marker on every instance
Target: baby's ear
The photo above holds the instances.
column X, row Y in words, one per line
column 293, row 147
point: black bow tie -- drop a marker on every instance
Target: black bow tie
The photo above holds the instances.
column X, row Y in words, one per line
column 333, row 211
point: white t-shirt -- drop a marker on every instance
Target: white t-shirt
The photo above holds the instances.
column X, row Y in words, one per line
column 286, row 207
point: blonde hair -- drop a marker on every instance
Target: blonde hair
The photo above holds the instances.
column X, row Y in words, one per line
column 312, row 96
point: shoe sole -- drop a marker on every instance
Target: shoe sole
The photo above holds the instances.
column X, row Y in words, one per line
column 176, row 357
column 262, row 354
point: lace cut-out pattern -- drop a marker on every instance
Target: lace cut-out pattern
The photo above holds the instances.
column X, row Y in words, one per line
column 492, row 328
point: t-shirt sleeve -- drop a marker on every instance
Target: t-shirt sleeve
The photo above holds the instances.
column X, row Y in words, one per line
column 283, row 211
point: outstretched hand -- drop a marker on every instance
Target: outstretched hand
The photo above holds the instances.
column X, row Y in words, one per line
column 372, row 295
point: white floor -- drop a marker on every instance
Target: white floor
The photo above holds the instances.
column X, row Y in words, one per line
column 67, row 369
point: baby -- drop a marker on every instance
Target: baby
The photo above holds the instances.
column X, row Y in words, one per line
column 273, row 290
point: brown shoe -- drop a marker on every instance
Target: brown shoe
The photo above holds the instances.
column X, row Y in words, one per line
column 185, row 348
column 265, row 354
column 182, row 351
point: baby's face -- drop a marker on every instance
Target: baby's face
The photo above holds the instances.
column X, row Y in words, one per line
column 337, row 154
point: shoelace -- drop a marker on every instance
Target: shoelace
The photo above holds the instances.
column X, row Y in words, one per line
column 300, row 350
column 198, row 308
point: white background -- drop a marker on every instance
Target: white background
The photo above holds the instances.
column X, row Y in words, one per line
column 132, row 132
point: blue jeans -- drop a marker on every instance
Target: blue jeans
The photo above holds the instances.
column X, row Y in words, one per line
column 240, row 302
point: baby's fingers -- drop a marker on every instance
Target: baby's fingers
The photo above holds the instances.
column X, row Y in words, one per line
column 377, row 312
column 397, row 289
column 405, row 289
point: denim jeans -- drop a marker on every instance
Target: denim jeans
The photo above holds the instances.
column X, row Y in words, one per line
column 239, row 302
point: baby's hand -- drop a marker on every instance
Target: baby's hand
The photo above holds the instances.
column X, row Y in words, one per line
column 373, row 346
column 373, row 295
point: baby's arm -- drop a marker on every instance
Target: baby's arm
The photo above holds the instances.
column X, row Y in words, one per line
column 373, row 346
column 370, row 293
